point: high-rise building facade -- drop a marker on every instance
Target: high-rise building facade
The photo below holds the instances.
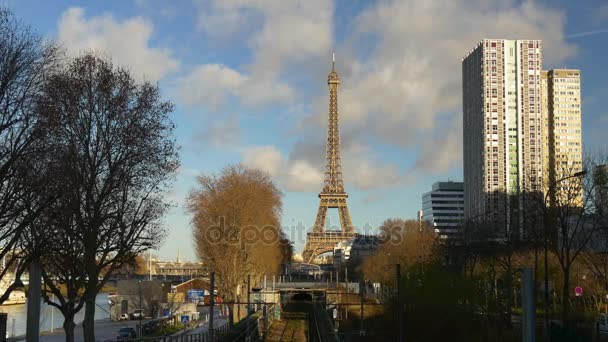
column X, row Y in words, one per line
column 561, row 93
column 443, row 207
column 502, row 128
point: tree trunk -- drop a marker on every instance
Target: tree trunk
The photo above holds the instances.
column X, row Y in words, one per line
column 68, row 326
column 88, row 325
column 566, row 296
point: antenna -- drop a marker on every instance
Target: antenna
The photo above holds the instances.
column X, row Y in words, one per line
column 333, row 60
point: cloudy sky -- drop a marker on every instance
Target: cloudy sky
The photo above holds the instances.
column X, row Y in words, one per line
column 248, row 78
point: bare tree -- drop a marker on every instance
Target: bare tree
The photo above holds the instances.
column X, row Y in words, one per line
column 571, row 219
column 115, row 156
column 236, row 226
column 25, row 60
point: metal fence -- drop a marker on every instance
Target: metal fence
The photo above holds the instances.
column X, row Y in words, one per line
column 204, row 336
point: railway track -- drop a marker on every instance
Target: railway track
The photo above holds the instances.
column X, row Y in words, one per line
column 297, row 324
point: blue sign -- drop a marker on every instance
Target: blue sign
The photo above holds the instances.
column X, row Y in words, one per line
column 185, row 319
column 195, row 295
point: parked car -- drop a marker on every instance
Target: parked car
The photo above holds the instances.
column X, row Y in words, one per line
column 126, row 333
column 137, row 314
column 123, row 317
column 149, row 327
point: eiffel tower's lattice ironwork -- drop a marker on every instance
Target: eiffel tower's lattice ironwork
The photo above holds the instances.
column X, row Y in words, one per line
column 320, row 241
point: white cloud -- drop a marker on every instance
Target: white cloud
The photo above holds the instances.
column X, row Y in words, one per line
column 265, row 158
column 278, row 34
column 301, row 176
column 211, row 84
column 127, row 42
column 277, row 31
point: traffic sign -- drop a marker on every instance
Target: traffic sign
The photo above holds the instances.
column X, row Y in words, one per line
column 578, row 291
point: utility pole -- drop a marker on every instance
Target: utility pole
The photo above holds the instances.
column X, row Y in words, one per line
column 211, row 300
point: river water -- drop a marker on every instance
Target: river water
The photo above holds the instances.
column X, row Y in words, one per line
column 49, row 316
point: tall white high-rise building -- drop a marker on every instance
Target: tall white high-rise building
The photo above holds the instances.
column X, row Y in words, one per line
column 502, row 129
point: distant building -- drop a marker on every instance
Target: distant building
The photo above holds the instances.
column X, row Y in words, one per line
column 355, row 250
column 443, row 208
column 178, row 268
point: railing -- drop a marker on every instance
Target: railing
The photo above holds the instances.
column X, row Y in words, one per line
column 254, row 327
column 218, row 333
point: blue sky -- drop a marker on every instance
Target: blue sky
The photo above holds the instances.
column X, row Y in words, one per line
column 249, row 82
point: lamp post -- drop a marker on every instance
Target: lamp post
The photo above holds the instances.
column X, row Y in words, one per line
column 551, row 193
column 141, row 313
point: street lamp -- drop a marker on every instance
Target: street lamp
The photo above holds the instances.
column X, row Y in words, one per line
column 141, row 313
column 551, row 191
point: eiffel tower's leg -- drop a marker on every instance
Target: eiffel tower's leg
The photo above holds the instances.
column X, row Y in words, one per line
column 320, row 220
column 345, row 222
column 310, row 250
column 307, row 253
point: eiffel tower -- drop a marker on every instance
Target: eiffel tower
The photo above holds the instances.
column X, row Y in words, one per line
column 320, row 241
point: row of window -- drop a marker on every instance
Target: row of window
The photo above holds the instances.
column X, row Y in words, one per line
column 566, row 80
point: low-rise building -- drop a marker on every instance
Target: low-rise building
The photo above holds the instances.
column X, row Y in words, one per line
column 443, row 208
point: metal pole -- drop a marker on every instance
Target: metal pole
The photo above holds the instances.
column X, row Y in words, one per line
column 141, row 313
column 361, row 289
column 347, row 297
column 248, row 306
column 265, row 314
column 33, row 303
column 401, row 323
column 52, row 314
column 211, row 301
column 546, row 276
column 248, row 294
column 527, row 303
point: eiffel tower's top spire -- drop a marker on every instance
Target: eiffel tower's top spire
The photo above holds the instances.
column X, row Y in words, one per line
column 333, row 75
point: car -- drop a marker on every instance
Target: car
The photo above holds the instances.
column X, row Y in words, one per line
column 137, row 314
column 149, row 327
column 126, row 333
column 123, row 317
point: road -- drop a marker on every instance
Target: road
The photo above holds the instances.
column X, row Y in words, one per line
column 105, row 330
